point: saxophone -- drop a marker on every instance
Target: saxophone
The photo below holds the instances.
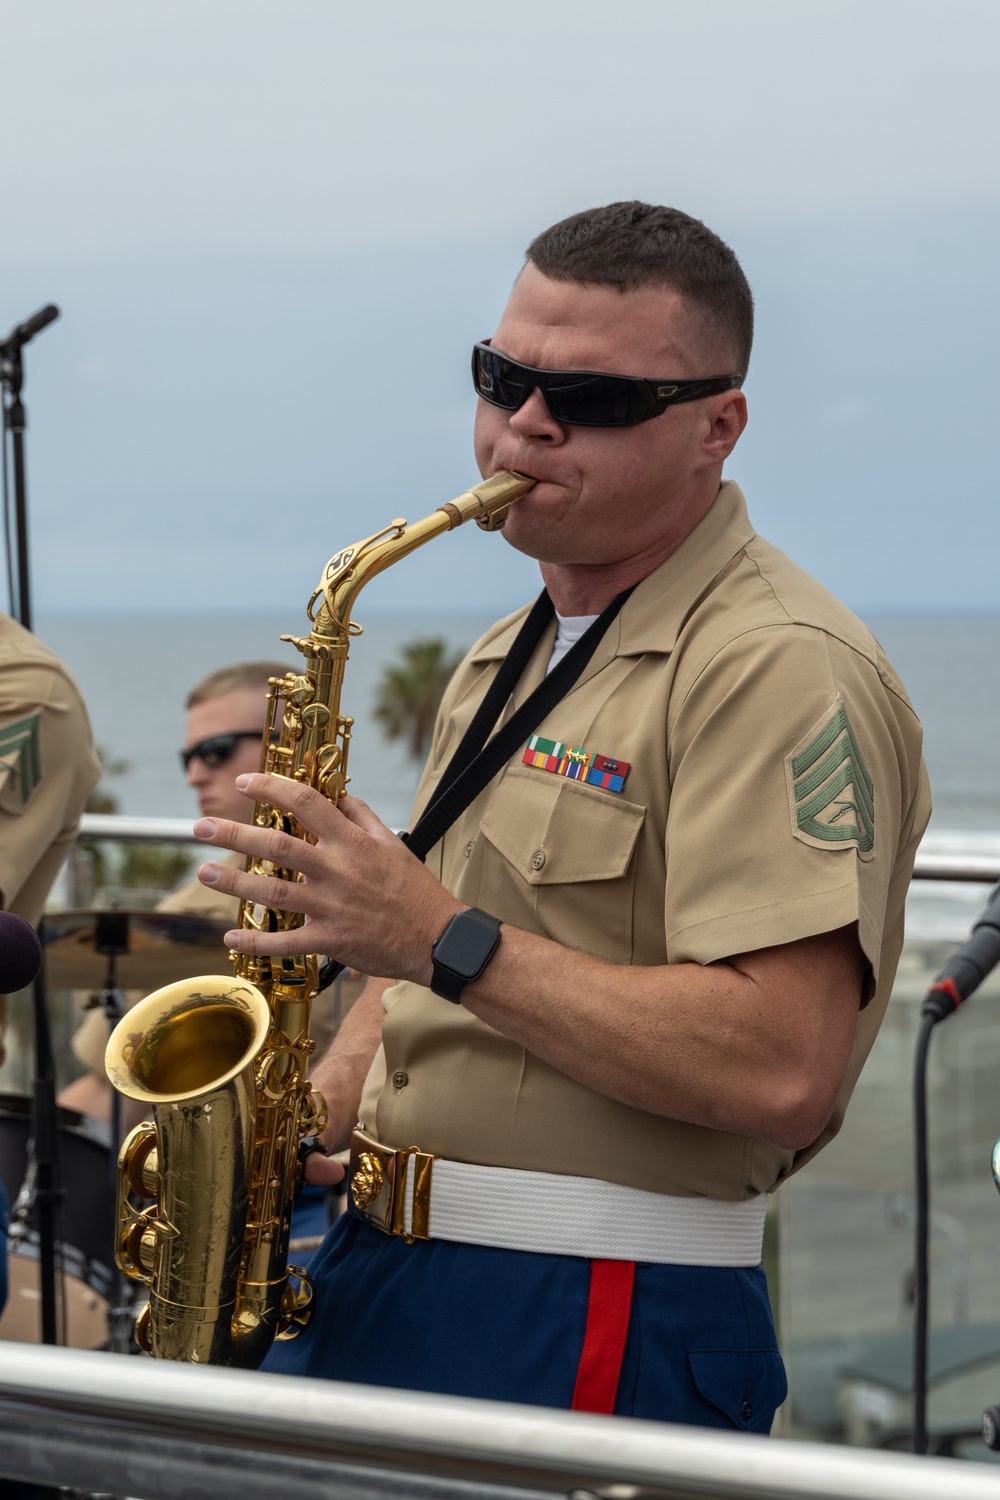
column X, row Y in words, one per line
column 223, row 1061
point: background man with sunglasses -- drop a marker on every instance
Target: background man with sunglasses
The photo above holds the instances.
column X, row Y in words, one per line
column 637, row 977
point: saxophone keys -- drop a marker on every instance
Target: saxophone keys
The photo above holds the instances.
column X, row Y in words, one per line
column 315, row 715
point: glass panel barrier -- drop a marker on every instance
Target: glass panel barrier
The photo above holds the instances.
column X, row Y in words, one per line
column 845, row 1230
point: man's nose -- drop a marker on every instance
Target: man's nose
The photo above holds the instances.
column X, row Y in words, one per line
column 534, row 420
column 197, row 772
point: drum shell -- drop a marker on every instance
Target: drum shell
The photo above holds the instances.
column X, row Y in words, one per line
column 84, row 1289
column 86, row 1226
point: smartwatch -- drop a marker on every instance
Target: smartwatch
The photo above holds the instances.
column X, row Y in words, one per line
column 462, row 951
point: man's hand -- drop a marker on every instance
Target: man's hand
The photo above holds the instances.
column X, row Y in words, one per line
column 322, row 1171
column 366, row 900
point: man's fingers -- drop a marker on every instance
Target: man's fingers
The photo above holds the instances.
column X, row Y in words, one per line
column 310, row 807
column 264, row 890
column 285, row 944
column 361, row 815
column 270, row 844
column 323, row 1171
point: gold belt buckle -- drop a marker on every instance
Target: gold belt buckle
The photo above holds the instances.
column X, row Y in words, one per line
column 379, row 1177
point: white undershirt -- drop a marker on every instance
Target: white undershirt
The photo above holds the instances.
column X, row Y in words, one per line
column 571, row 627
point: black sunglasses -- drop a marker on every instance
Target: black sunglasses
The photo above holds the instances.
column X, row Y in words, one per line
column 217, row 748
column 586, row 398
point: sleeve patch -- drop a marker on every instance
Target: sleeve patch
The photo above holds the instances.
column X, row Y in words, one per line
column 20, row 762
column 830, row 793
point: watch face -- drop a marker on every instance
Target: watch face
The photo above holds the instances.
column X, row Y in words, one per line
column 465, row 946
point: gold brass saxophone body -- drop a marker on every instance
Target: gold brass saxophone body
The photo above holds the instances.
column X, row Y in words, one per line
column 223, row 1062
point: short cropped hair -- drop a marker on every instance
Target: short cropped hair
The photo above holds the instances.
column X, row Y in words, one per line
column 628, row 245
column 245, row 674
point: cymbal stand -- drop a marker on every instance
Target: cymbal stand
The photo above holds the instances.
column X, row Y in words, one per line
column 42, row 1188
column 111, row 939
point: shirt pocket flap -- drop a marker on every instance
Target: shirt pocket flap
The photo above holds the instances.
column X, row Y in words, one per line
column 557, row 832
column 746, row 1385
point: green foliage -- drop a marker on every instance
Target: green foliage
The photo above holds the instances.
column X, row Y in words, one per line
column 409, row 694
column 155, row 867
column 102, row 799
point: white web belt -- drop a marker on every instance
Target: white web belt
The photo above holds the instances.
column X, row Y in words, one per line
column 419, row 1196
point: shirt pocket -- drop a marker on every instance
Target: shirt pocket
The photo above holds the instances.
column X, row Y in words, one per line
column 567, row 857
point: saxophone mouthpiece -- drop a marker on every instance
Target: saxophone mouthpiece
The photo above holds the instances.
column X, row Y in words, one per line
column 496, row 496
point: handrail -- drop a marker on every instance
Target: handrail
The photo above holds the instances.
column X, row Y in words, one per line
column 136, row 1426
column 127, row 829
column 974, row 867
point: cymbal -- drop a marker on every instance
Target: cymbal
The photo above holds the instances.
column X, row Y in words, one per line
column 148, row 948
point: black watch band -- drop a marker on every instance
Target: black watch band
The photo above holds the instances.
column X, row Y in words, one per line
column 462, row 951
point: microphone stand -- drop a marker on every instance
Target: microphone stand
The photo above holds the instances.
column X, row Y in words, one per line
column 48, row 1192
column 15, row 420
column 45, row 1129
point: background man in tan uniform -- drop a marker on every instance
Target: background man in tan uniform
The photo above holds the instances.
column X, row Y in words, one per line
column 699, row 861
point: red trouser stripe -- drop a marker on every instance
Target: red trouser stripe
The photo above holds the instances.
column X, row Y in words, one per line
column 604, row 1340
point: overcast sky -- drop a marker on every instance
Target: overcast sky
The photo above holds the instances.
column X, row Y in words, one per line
column 274, row 231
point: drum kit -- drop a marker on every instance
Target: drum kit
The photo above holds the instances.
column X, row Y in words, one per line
column 106, row 953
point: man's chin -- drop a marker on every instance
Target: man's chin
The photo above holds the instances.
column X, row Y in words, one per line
column 531, row 531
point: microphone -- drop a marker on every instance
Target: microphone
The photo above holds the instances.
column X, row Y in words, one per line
column 968, row 966
column 20, row 953
column 25, row 332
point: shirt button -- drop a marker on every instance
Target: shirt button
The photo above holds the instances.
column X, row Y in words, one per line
column 400, row 1079
column 538, row 859
column 746, row 1411
column 469, row 847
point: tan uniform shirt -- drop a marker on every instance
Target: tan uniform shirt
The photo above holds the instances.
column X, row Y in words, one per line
column 775, row 791
column 47, row 768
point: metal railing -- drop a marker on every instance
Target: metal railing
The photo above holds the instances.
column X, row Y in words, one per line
column 144, row 1428
column 131, row 830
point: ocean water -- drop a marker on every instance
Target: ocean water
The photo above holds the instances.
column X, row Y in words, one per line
column 135, row 671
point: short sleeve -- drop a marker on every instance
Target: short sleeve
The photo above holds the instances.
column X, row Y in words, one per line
column 47, row 768
column 793, row 763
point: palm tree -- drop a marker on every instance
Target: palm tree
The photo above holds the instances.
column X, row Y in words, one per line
column 409, row 694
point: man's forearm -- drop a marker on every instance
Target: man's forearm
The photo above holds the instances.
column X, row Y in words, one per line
column 757, row 1044
column 340, row 1073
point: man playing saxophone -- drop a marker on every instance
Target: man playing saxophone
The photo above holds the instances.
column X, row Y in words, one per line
column 634, row 983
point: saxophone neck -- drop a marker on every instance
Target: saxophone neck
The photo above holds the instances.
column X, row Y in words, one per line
column 347, row 572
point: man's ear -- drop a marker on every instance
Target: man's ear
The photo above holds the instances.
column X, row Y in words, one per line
column 727, row 416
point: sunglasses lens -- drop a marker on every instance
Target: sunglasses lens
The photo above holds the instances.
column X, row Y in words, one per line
column 212, row 753
column 589, row 400
column 499, row 381
column 217, row 754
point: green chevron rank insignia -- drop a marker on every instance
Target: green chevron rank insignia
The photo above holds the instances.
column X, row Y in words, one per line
column 20, row 762
column 830, row 792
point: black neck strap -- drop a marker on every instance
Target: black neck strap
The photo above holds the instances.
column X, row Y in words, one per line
column 478, row 759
